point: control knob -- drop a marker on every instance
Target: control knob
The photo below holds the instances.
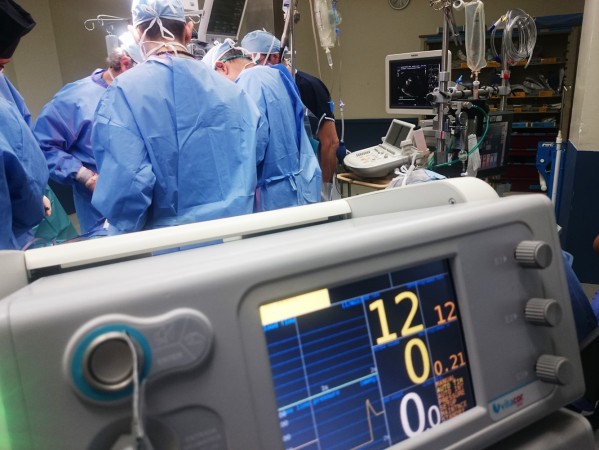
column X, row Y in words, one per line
column 554, row 369
column 535, row 254
column 108, row 362
column 543, row 311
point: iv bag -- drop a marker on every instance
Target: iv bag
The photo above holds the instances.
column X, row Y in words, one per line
column 326, row 21
column 112, row 42
column 475, row 35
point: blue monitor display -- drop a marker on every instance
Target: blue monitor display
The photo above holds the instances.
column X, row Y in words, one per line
column 372, row 363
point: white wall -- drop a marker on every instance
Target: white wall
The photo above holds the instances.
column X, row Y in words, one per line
column 370, row 30
column 34, row 68
column 61, row 50
column 584, row 132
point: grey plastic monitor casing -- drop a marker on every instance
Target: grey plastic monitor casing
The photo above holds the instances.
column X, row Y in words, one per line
column 227, row 398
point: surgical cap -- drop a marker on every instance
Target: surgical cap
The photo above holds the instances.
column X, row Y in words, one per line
column 15, row 23
column 216, row 52
column 146, row 10
column 261, row 41
column 131, row 47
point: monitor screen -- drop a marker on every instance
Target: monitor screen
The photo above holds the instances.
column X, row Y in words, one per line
column 334, row 357
column 409, row 78
column 225, row 18
column 398, row 132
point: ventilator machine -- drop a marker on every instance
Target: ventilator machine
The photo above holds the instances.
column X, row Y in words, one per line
column 432, row 316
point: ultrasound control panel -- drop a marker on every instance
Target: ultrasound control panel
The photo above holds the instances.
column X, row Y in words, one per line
column 395, row 150
column 443, row 327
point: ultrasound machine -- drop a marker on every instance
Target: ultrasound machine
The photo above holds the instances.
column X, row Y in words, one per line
column 433, row 316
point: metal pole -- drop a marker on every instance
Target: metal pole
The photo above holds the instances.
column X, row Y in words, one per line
column 291, row 37
column 203, row 27
column 556, row 170
column 441, row 156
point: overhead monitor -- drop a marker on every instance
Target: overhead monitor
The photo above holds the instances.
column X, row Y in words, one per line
column 409, row 77
column 222, row 19
column 424, row 329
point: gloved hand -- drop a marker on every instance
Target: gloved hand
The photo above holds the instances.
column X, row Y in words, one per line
column 47, row 206
column 87, row 177
column 91, row 183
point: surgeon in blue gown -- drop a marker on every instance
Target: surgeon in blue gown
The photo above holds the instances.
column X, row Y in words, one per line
column 265, row 50
column 23, row 171
column 288, row 170
column 63, row 130
column 10, row 94
column 175, row 143
column 23, row 177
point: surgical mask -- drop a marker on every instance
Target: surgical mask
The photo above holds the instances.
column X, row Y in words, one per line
column 131, row 47
column 255, row 58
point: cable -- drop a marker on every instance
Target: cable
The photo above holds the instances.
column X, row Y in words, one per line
column 315, row 39
column 438, row 5
column 449, row 163
column 518, row 40
column 484, row 132
column 137, row 426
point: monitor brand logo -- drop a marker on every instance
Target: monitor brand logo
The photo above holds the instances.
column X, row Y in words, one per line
column 515, row 402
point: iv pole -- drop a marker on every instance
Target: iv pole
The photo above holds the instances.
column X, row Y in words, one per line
column 443, row 84
column 288, row 35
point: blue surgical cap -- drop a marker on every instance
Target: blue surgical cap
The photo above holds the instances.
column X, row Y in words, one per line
column 145, row 10
column 131, row 47
column 217, row 51
column 261, row 41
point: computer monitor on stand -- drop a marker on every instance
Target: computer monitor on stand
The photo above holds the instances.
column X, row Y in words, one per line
column 409, row 78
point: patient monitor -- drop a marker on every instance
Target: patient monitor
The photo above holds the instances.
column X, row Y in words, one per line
column 425, row 317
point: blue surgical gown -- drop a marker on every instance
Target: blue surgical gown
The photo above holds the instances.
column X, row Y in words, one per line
column 23, row 177
column 63, row 130
column 175, row 143
column 8, row 92
column 288, row 171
